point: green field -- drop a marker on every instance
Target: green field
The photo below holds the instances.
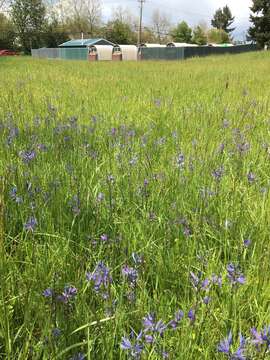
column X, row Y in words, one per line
column 129, row 192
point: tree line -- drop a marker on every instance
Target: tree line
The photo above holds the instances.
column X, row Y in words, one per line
column 28, row 24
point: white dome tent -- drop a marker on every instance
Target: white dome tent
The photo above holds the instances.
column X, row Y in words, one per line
column 126, row 52
column 147, row 45
column 100, row 52
column 175, row 44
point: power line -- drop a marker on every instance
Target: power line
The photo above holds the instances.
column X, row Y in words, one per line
column 141, row 2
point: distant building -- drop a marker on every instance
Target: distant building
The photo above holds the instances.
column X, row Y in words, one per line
column 181, row 45
column 85, row 43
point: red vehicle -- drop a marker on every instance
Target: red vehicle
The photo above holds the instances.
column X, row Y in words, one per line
column 7, row 53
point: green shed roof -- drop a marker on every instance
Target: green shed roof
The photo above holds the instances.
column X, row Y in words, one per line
column 85, row 43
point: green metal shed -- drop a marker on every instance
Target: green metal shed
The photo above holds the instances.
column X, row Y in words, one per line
column 79, row 49
column 83, row 43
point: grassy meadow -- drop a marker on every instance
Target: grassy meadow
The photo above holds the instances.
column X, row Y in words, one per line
column 135, row 209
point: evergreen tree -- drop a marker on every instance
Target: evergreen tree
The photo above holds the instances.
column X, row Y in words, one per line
column 223, row 19
column 29, row 19
column 260, row 31
column 199, row 36
column 182, row 33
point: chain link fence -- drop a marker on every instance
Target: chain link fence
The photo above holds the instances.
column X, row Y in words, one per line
column 154, row 53
column 60, row 53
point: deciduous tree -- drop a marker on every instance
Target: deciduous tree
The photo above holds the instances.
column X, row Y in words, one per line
column 54, row 34
column 28, row 17
column 7, row 33
column 161, row 25
column 182, row 33
column 119, row 32
column 218, row 36
column 80, row 15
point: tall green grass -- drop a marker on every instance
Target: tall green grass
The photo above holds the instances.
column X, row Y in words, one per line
column 169, row 160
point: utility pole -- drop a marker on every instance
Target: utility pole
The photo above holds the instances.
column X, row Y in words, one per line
column 141, row 2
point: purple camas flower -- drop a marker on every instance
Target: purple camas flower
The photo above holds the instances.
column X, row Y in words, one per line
column 177, row 318
column 195, row 281
column 226, row 345
column 47, row 293
column 207, row 193
column 130, row 274
column 133, row 346
column 192, row 315
column 152, row 216
column 160, row 327
column 218, row 173
column 100, row 197
column 13, row 193
column 137, row 259
column 146, row 182
column 149, row 339
column 14, row 196
column 94, row 119
column 78, row 356
column 68, row 294
column 133, row 161
column 206, row 300
column 150, row 325
column 226, row 123
column 110, row 178
column 104, row 237
column 13, row 133
column 131, row 133
column 251, row 177
column 73, row 120
column 234, row 275
column 205, row 284
column 52, row 109
column 165, row 355
column 194, row 142
column 216, row 280
column 187, row 231
column 260, row 338
column 198, row 282
column 257, row 338
column 243, row 147
column 56, row 332
column 27, row 156
column 30, row 224
column 148, row 321
column 75, row 205
column 113, row 131
column 157, row 102
column 100, row 277
column 247, row 243
column 180, row 161
column 221, row 148
column 42, row 147
column 126, row 344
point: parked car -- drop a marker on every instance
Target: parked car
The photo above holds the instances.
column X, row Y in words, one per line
column 8, row 53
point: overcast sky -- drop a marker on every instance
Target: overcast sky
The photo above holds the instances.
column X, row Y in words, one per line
column 192, row 11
